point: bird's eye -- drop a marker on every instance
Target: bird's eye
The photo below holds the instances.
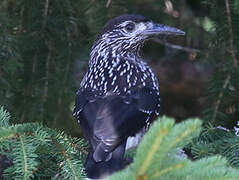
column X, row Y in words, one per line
column 130, row 27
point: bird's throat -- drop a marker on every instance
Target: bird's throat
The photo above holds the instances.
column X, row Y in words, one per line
column 107, row 50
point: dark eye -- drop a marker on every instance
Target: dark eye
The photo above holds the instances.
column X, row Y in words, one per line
column 130, row 27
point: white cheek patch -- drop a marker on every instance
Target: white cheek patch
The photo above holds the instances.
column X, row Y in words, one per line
column 150, row 25
column 140, row 27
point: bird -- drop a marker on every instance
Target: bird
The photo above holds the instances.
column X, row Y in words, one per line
column 119, row 94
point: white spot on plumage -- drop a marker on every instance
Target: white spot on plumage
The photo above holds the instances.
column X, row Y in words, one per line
column 119, row 67
column 114, row 69
column 128, row 77
column 115, row 89
column 128, row 65
column 113, row 81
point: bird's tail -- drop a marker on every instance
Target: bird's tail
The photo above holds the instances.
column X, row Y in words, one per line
column 100, row 170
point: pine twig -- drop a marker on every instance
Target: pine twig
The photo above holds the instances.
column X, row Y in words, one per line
column 187, row 49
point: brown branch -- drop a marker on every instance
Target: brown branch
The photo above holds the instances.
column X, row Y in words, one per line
column 229, row 21
column 225, row 84
column 59, row 101
column 170, row 10
column 108, row 3
column 39, row 167
column 82, row 149
column 60, row 149
column 47, row 78
column 46, row 84
column 65, row 156
column 187, row 49
column 23, row 113
column 21, row 20
column 45, row 13
column 34, row 64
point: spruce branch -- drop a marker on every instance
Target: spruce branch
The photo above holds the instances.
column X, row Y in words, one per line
column 4, row 118
column 234, row 59
column 153, row 158
column 81, row 148
column 215, row 141
column 66, row 158
column 162, row 132
column 24, row 157
column 161, row 142
column 168, row 170
column 37, row 151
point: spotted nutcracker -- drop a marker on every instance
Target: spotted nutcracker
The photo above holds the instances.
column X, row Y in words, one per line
column 119, row 95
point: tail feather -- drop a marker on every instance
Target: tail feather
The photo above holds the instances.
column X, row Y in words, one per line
column 97, row 170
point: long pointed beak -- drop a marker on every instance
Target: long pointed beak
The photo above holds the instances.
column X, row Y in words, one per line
column 159, row 29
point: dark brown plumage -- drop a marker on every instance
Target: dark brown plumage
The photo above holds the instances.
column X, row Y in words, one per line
column 119, row 95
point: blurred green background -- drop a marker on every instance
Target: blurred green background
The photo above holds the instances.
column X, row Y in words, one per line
column 45, row 46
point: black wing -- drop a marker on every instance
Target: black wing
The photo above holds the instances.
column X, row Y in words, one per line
column 108, row 121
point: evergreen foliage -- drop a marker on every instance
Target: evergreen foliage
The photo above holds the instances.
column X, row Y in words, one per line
column 217, row 141
column 217, row 138
column 223, row 54
column 45, row 46
column 37, row 151
column 5, row 118
column 156, row 156
column 39, row 41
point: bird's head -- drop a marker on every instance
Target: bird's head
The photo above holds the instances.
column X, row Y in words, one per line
column 127, row 33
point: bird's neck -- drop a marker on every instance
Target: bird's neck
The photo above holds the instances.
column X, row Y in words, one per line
column 105, row 50
column 117, row 71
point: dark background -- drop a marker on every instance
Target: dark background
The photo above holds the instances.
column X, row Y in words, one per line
column 45, row 46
